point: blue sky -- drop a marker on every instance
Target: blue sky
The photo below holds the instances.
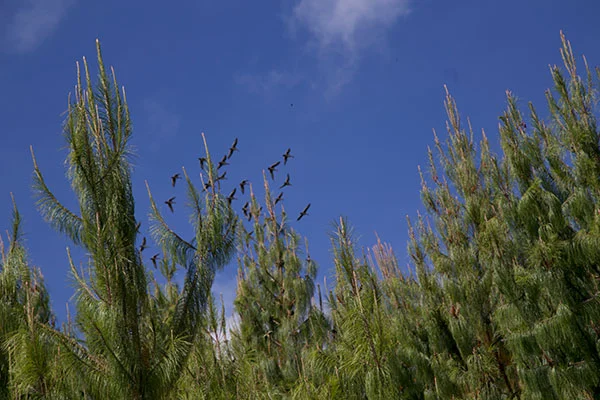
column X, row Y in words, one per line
column 365, row 78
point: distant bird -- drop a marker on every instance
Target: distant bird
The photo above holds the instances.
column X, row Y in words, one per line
column 278, row 198
column 272, row 168
column 304, row 212
column 170, row 203
column 174, row 179
column 137, row 227
column 223, row 162
column 291, row 104
column 202, row 161
column 221, row 177
column 233, row 148
column 286, row 155
column 143, row 246
column 286, row 183
column 231, row 196
column 245, row 208
column 153, row 259
column 243, row 185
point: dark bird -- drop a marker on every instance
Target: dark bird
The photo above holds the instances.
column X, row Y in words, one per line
column 304, row 212
column 221, row 177
column 170, row 203
column 272, row 168
column 286, row 155
column 153, row 259
column 202, row 161
column 137, row 227
column 174, row 179
column 223, row 162
column 231, row 196
column 233, row 148
column 245, row 208
column 278, row 198
column 243, row 185
column 286, row 183
column 143, row 246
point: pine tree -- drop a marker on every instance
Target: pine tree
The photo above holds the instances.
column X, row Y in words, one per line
column 27, row 359
column 275, row 298
column 135, row 338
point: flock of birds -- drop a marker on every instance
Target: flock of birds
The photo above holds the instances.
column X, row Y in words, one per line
column 242, row 186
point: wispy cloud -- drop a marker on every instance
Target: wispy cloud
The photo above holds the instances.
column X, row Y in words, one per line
column 164, row 123
column 265, row 84
column 33, row 22
column 341, row 29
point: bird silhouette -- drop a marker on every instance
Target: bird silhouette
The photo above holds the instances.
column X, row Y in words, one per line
column 286, row 183
column 202, row 161
column 153, row 259
column 174, row 179
column 245, row 208
column 304, row 212
column 272, row 168
column 170, row 203
column 243, row 185
column 287, row 155
column 143, row 246
column 233, row 148
column 221, row 177
column 223, row 162
column 137, row 227
column 231, row 196
column 278, row 198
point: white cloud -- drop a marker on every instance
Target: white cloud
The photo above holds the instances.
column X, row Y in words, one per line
column 33, row 22
column 350, row 23
column 341, row 29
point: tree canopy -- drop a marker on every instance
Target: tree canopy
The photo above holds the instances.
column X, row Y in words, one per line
column 501, row 300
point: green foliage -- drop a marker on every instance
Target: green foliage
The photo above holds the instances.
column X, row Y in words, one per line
column 503, row 302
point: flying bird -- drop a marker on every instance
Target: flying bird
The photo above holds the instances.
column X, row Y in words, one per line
column 223, row 162
column 174, row 179
column 202, row 161
column 272, row 168
column 243, row 185
column 233, row 148
column 286, row 155
column 153, row 259
column 143, row 246
column 304, row 212
column 279, row 198
column 231, row 196
column 245, row 208
column 170, row 203
column 137, row 227
column 286, row 183
column 221, row 177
